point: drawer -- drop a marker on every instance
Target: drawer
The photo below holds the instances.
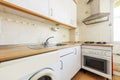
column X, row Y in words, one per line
column 67, row 51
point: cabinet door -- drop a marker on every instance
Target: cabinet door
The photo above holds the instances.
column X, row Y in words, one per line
column 56, row 9
column 67, row 66
column 76, row 61
column 38, row 6
column 70, row 62
column 70, row 12
column 78, row 57
column 73, row 14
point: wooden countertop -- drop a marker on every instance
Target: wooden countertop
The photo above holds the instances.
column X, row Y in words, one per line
column 20, row 51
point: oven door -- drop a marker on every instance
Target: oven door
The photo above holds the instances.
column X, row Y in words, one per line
column 95, row 63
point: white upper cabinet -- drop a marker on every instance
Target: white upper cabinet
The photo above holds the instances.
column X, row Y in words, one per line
column 56, row 10
column 62, row 11
column 70, row 12
column 73, row 14
column 37, row 6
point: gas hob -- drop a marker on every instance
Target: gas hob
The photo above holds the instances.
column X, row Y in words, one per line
column 93, row 42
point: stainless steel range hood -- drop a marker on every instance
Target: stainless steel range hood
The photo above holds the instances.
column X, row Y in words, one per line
column 100, row 12
column 96, row 18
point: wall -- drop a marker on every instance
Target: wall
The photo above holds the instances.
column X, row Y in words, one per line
column 19, row 30
column 82, row 11
column 95, row 32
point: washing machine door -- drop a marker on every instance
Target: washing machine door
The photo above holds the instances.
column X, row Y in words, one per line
column 45, row 74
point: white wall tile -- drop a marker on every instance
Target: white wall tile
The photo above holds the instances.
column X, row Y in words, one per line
column 19, row 30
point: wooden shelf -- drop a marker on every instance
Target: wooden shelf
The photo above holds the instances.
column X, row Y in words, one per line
column 7, row 4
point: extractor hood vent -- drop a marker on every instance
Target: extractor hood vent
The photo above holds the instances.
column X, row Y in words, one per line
column 100, row 12
column 96, row 18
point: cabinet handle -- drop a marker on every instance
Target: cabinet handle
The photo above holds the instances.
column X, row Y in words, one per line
column 67, row 54
column 61, row 65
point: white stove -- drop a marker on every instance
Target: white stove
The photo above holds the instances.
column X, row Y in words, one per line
column 97, row 51
column 97, row 59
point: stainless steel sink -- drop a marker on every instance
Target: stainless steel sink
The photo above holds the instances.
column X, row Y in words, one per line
column 61, row 44
column 41, row 46
column 36, row 46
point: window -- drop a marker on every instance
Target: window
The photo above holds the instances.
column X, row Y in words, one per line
column 116, row 27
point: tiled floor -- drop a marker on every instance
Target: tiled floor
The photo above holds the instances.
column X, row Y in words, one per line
column 116, row 77
column 81, row 75
column 90, row 76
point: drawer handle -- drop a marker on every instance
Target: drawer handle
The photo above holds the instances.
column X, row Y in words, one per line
column 61, row 65
column 67, row 54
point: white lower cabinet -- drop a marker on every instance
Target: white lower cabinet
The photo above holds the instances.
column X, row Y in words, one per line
column 65, row 62
column 67, row 66
column 78, row 64
column 70, row 62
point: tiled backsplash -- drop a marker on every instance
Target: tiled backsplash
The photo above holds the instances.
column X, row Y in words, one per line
column 19, row 30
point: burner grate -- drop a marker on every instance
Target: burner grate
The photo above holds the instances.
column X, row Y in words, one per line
column 93, row 42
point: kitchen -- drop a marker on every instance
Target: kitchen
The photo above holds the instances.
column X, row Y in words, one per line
column 27, row 30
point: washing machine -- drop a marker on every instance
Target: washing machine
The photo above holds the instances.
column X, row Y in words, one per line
column 49, row 73
column 38, row 67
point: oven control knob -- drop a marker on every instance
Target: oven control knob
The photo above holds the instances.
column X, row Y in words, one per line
column 96, row 53
column 106, row 53
column 103, row 53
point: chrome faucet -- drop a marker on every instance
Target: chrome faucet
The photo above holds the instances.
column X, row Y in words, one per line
column 46, row 42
